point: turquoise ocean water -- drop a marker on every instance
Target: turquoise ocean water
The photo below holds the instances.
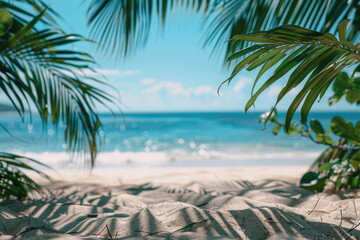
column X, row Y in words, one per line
column 171, row 140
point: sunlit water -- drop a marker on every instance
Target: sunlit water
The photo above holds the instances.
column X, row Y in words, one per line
column 171, row 140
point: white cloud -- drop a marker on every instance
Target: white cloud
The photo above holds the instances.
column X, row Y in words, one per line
column 147, row 81
column 171, row 87
column 109, row 72
column 201, row 90
column 241, row 84
column 177, row 89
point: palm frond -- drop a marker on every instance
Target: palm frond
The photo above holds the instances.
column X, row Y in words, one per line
column 37, row 71
column 13, row 181
column 21, row 16
column 235, row 17
column 120, row 26
column 310, row 56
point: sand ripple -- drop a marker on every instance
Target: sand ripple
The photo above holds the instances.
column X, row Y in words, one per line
column 194, row 210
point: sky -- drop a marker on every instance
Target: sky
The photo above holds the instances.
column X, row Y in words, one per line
column 173, row 72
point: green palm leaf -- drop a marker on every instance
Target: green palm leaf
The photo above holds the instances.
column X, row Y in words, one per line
column 120, row 26
column 13, row 181
column 37, row 72
column 310, row 56
column 21, row 15
column 227, row 19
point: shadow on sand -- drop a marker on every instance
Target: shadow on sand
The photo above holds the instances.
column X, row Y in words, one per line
column 196, row 210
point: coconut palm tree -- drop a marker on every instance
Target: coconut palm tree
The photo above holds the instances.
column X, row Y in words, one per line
column 40, row 73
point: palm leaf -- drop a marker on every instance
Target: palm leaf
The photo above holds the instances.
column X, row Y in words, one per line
column 22, row 15
column 13, row 181
column 38, row 72
column 309, row 56
column 237, row 17
column 120, row 26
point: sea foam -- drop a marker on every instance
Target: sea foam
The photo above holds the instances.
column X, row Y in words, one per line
column 174, row 158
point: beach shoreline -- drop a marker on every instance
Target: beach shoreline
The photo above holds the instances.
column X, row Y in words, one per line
column 133, row 175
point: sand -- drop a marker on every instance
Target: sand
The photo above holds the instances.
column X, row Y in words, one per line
column 187, row 203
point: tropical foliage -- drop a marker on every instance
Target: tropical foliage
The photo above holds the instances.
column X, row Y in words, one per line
column 123, row 25
column 230, row 18
column 41, row 73
column 13, row 181
column 310, row 56
column 339, row 163
column 314, row 60
column 120, row 26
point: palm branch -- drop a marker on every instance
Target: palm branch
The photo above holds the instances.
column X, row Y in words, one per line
column 120, row 26
column 229, row 18
column 13, row 181
column 21, row 16
column 37, row 70
column 38, row 73
column 311, row 57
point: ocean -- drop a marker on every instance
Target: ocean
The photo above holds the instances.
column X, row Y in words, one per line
column 171, row 140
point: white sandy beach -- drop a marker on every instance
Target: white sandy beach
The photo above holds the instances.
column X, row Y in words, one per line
column 186, row 203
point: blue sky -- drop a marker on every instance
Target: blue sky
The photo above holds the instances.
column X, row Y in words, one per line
column 173, row 72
